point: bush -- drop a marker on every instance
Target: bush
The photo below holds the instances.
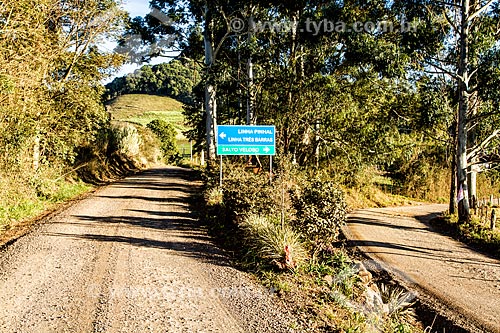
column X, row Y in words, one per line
column 321, row 210
column 125, row 140
column 166, row 133
column 276, row 243
column 245, row 193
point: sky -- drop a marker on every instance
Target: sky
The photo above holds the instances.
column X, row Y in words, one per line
column 135, row 8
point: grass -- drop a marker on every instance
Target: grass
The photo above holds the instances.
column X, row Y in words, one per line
column 325, row 290
column 29, row 207
column 473, row 233
column 142, row 109
column 273, row 242
column 371, row 196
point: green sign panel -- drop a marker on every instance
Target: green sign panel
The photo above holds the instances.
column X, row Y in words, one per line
column 245, row 150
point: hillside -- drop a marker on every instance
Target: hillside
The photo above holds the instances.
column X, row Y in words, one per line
column 141, row 109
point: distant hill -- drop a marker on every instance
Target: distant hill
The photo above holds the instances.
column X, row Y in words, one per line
column 142, row 109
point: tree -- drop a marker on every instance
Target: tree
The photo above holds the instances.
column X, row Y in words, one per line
column 175, row 79
column 52, row 68
column 210, row 17
column 471, row 36
column 166, row 133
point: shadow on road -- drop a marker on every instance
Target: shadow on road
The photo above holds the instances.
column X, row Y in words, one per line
column 170, row 226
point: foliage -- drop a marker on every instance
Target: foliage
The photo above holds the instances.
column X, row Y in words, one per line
column 390, row 309
column 166, row 133
column 125, row 140
column 50, row 96
column 247, row 193
column 174, row 79
column 321, row 210
column 274, row 242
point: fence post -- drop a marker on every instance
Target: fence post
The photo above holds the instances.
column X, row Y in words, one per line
column 493, row 219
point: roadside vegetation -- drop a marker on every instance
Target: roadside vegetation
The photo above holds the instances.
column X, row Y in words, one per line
column 57, row 139
column 287, row 234
column 475, row 233
column 363, row 119
column 143, row 131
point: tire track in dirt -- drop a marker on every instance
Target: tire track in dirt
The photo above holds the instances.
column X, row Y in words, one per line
column 131, row 258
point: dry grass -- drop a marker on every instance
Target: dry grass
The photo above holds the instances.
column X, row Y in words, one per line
column 273, row 242
column 371, row 196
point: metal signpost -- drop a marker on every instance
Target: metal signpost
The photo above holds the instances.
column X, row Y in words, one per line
column 246, row 140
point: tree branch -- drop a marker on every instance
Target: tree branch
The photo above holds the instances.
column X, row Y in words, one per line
column 480, row 11
column 442, row 69
column 474, row 152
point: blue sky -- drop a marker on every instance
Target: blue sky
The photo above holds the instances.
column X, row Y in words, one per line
column 135, row 8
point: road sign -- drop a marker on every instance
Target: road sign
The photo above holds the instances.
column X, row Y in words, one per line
column 246, row 140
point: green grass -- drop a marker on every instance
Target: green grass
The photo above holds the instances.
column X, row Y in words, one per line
column 27, row 208
column 142, row 109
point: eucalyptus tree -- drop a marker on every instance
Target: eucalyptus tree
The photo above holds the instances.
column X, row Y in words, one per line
column 471, row 30
column 187, row 22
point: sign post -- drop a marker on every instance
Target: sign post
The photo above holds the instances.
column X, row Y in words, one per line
column 246, row 140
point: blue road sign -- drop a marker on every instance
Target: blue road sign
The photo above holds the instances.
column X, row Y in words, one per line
column 246, row 140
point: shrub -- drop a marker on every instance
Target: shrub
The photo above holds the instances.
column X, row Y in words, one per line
column 166, row 133
column 276, row 243
column 125, row 140
column 321, row 210
column 245, row 193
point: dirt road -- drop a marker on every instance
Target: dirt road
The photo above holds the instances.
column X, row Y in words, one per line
column 130, row 258
column 464, row 284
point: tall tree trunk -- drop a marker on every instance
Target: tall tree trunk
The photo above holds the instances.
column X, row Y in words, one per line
column 251, row 94
column 453, row 172
column 473, row 169
column 211, row 110
column 250, row 76
column 463, row 91
column 241, row 115
column 210, row 89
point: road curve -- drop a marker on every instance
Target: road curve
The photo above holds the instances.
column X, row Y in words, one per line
column 465, row 283
column 130, row 258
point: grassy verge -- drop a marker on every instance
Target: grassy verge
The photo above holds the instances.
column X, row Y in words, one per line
column 371, row 196
column 473, row 233
column 15, row 213
column 122, row 149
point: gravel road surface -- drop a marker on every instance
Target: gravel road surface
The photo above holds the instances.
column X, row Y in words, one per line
column 463, row 284
column 130, row 258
